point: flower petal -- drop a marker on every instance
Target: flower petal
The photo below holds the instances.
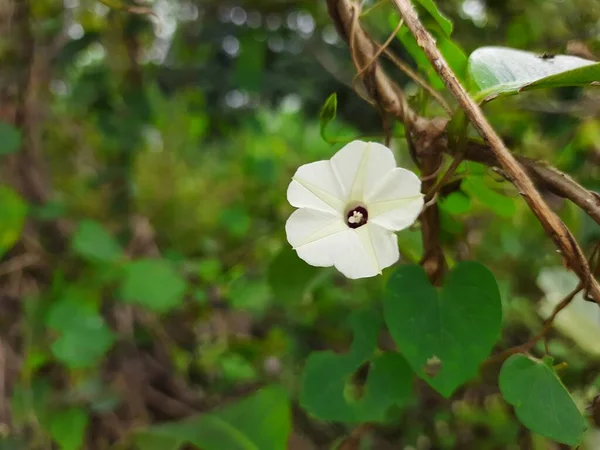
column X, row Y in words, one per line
column 397, row 202
column 359, row 166
column 324, row 240
column 366, row 251
column 315, row 186
column 312, row 233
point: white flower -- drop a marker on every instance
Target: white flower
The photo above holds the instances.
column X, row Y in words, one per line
column 349, row 208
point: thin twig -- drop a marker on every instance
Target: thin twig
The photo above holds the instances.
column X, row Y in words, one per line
column 554, row 227
column 523, row 348
column 379, row 51
column 417, row 79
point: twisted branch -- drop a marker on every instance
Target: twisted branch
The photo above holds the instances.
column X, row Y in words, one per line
column 554, row 227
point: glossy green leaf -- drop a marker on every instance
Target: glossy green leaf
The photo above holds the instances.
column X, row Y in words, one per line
column 259, row 422
column 498, row 71
column 477, row 188
column 10, row 138
column 93, row 242
column 67, row 428
column 327, row 114
column 153, row 284
column 291, row 278
column 541, row 401
column 13, row 212
column 327, row 377
column 451, row 330
column 443, row 21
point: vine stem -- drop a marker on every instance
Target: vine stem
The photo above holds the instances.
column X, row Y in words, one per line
column 554, row 227
column 543, row 332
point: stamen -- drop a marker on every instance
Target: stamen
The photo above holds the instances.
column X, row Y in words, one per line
column 357, row 217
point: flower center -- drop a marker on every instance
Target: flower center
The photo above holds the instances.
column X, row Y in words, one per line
column 357, row 217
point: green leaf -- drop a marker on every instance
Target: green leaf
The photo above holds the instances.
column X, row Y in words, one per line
column 443, row 21
column 93, row 242
column 477, row 188
column 154, row 284
column 10, row 138
column 498, row 71
column 327, row 114
column 327, row 376
column 84, row 338
column 291, row 278
column 456, row 203
column 444, row 335
column 209, row 269
column 30, row 400
column 68, row 428
column 259, row 422
column 541, row 401
column 249, row 67
column 250, row 295
column 13, row 212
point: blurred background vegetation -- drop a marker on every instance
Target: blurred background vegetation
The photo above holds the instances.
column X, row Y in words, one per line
column 144, row 272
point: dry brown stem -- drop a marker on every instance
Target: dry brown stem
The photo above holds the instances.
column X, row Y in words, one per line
column 573, row 256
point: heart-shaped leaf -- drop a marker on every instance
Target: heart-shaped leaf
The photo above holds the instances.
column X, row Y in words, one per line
column 500, row 71
column 259, row 422
column 541, row 401
column 327, row 377
column 444, row 335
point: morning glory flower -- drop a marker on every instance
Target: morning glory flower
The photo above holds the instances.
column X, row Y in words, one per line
column 349, row 208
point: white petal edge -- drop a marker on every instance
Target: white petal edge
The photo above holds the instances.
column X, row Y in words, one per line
column 366, row 251
column 311, row 233
column 315, row 186
column 397, row 202
column 360, row 166
column 396, row 215
column 398, row 183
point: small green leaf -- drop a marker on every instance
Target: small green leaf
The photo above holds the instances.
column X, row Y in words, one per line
column 84, row 338
column 154, row 284
column 541, row 401
column 291, row 278
column 84, row 345
column 477, row 188
column 10, row 139
column 327, row 114
column 13, row 212
column 456, row 203
column 453, row 330
column 249, row 295
column 327, row 375
column 68, row 427
column 498, row 71
column 443, row 21
column 209, row 269
column 93, row 242
column 259, row 422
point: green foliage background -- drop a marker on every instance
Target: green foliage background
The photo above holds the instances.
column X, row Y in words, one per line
column 174, row 313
